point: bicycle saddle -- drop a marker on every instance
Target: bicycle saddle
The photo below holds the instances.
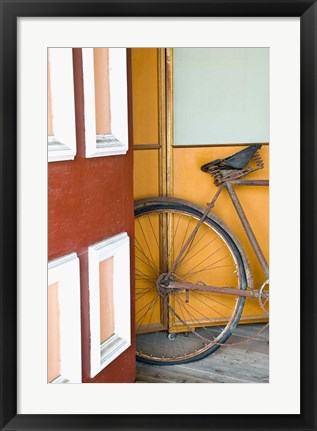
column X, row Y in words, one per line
column 238, row 160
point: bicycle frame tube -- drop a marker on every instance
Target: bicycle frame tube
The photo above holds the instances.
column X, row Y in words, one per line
column 250, row 182
column 189, row 240
column 243, row 218
column 181, row 285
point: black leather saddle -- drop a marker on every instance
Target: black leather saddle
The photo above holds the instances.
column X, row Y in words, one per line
column 238, row 160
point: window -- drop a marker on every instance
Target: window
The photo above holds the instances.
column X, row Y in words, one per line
column 220, row 96
column 61, row 110
column 109, row 300
column 63, row 312
column 105, row 101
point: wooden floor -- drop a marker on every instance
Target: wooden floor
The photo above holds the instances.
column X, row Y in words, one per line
column 243, row 363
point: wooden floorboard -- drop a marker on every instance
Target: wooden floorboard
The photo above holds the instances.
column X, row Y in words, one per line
column 241, row 363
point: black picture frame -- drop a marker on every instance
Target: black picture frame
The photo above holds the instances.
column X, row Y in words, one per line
column 10, row 11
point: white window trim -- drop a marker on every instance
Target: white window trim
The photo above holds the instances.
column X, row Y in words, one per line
column 117, row 247
column 116, row 142
column 62, row 146
column 65, row 272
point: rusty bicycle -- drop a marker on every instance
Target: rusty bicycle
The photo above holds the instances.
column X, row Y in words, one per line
column 192, row 274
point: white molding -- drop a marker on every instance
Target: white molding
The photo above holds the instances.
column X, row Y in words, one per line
column 60, row 379
column 65, row 272
column 117, row 247
column 116, row 142
column 62, row 146
column 58, row 151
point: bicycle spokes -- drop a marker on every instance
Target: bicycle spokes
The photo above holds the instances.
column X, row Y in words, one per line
column 200, row 318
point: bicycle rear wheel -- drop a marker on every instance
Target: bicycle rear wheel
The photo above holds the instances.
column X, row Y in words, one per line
column 178, row 326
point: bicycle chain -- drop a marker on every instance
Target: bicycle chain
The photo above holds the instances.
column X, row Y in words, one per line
column 248, row 338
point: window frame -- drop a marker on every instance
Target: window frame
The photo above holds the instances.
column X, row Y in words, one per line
column 118, row 247
column 65, row 272
column 116, row 142
column 62, row 145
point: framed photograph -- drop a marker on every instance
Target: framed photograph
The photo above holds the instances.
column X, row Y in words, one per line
column 27, row 401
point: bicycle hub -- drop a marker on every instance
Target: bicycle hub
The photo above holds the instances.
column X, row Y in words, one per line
column 163, row 284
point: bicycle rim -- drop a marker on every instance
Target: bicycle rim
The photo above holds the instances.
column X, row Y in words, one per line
column 178, row 326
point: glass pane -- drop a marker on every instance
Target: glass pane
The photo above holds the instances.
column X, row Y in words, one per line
column 221, row 95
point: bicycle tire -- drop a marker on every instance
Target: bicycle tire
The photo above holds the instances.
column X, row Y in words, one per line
column 152, row 211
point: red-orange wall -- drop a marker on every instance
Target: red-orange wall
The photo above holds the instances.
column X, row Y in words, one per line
column 88, row 201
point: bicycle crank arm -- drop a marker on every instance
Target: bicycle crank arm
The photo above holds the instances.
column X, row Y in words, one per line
column 222, row 290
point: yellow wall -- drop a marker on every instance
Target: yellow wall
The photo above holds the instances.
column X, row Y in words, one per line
column 145, row 95
column 192, row 184
column 189, row 182
column 145, row 121
column 146, row 173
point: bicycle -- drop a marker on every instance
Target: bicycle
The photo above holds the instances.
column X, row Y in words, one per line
column 192, row 274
